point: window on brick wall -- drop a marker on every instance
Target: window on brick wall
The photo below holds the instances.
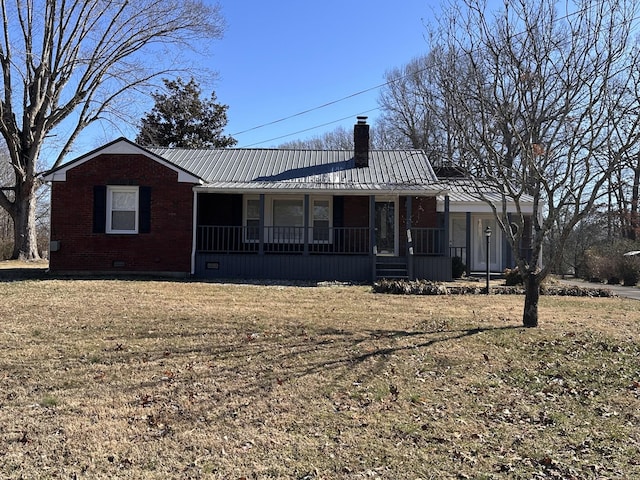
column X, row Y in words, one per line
column 120, row 209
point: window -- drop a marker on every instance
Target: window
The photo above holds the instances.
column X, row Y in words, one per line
column 288, row 220
column 252, row 220
column 122, row 209
column 284, row 218
column 320, row 220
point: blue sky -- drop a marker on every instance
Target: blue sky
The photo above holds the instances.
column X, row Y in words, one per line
column 282, row 57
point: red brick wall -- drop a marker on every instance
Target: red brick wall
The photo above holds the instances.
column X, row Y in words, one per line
column 423, row 212
column 167, row 248
column 356, row 211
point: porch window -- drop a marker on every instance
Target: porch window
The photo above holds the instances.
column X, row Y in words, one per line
column 252, row 220
column 288, row 220
column 122, row 209
column 284, row 219
column 320, row 220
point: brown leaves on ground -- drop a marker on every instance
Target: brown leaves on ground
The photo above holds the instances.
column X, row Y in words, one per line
column 133, row 379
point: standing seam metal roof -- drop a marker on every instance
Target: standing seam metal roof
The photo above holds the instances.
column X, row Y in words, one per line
column 304, row 169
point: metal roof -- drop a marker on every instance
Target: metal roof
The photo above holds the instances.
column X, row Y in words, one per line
column 284, row 169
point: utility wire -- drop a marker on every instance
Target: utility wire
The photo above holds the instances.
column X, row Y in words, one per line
column 306, row 129
column 311, row 110
column 389, row 82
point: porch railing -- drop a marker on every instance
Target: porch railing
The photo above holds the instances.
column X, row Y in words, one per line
column 325, row 240
column 428, row 241
column 246, row 239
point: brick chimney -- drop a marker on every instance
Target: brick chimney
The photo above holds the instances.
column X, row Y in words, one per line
column 361, row 143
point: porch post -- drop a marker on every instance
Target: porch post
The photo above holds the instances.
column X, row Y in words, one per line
column 261, row 226
column 305, row 234
column 409, row 207
column 447, row 251
column 373, row 252
column 467, row 243
column 508, row 254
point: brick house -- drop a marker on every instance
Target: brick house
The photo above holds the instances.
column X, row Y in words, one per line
column 261, row 214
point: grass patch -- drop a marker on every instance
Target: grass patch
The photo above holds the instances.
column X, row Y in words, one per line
column 155, row 379
column 48, row 401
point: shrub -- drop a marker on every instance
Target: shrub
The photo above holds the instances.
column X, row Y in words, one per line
column 513, row 277
column 608, row 263
column 425, row 287
column 458, row 268
column 630, row 270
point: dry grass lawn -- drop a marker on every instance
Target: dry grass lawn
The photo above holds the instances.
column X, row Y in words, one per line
column 162, row 379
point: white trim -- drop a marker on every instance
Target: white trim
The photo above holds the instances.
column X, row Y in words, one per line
column 111, row 189
column 119, row 147
column 481, row 206
column 478, row 244
column 329, row 200
column 245, row 200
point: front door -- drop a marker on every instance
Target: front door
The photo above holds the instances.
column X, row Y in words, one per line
column 480, row 245
column 386, row 227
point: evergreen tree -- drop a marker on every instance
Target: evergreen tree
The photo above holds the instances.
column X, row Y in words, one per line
column 180, row 118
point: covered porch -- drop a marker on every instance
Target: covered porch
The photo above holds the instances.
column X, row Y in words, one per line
column 315, row 236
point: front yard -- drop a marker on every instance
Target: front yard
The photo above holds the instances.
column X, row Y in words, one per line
column 160, row 379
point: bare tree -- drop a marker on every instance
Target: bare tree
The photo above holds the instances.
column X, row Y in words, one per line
column 67, row 63
column 337, row 139
column 535, row 112
column 6, row 224
column 417, row 109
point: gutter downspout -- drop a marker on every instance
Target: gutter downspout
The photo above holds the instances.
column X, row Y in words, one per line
column 194, row 232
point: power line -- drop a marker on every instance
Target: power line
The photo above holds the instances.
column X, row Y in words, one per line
column 312, row 110
column 361, row 92
column 307, row 129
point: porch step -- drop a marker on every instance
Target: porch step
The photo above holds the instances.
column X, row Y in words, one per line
column 392, row 269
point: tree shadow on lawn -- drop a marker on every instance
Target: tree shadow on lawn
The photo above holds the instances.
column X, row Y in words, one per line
column 256, row 367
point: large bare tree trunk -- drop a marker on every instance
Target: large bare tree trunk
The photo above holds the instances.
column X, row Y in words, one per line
column 24, row 223
column 74, row 63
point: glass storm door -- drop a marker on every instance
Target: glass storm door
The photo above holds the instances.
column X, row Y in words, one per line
column 480, row 242
column 386, row 227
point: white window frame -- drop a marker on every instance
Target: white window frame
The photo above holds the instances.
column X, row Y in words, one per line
column 245, row 218
column 111, row 189
column 312, row 201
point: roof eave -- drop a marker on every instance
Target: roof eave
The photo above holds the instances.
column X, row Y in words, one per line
column 321, row 190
